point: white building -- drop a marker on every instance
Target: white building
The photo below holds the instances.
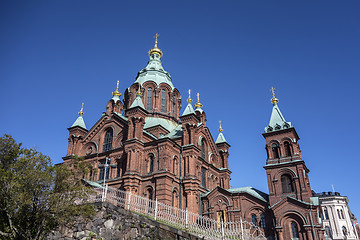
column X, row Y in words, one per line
column 338, row 221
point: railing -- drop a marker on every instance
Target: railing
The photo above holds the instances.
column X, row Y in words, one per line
column 182, row 219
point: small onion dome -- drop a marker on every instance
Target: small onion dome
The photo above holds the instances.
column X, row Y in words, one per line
column 81, row 110
column 220, row 128
column 198, row 104
column 189, row 100
column 273, row 100
column 155, row 49
column 116, row 92
column 139, row 90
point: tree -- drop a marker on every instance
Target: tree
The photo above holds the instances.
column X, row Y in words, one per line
column 36, row 197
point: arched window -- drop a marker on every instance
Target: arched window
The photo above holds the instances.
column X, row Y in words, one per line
column 175, row 198
column 253, row 219
column 286, row 184
column 173, row 105
column 108, row 140
column 202, row 149
column 150, row 194
column 262, row 221
column 338, row 212
column 151, row 164
column 342, row 214
column 294, row 230
column 326, row 213
column 344, row 230
column 149, row 99
column 163, row 98
column 203, row 177
column 150, row 197
column 175, row 170
column 328, row 232
column 287, row 149
column 275, row 150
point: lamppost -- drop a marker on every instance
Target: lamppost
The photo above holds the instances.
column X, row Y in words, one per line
column 106, row 165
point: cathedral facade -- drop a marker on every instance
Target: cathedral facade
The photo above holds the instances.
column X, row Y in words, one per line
column 145, row 145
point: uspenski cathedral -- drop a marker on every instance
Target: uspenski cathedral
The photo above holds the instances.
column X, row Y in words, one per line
column 155, row 151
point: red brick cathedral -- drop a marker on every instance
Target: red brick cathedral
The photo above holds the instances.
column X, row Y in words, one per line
column 155, row 151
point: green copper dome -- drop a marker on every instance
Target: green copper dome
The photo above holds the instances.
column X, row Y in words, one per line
column 154, row 70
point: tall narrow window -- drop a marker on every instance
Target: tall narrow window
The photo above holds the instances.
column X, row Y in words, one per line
column 294, row 230
column 203, row 177
column 342, row 214
column 262, row 221
column 108, row 140
column 287, row 149
column 173, row 106
column 275, row 150
column 326, row 213
column 151, row 164
column 163, row 98
column 118, row 169
column 253, row 219
column 344, row 230
column 202, row 149
column 338, row 212
column 149, row 99
column 286, row 184
column 328, row 232
column 102, row 172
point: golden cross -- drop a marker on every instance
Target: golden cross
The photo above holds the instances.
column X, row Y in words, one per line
column 198, row 96
column 189, row 92
column 156, row 41
column 82, row 106
column 272, row 89
column 117, row 85
column 156, row 36
column 220, row 123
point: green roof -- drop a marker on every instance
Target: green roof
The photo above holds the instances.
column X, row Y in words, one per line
column 154, row 72
column 277, row 120
column 188, row 110
column 252, row 191
column 137, row 102
column 79, row 122
column 220, row 138
column 93, row 184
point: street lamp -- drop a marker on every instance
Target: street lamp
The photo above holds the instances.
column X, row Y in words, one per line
column 106, row 165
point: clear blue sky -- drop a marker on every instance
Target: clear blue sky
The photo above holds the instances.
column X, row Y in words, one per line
column 54, row 55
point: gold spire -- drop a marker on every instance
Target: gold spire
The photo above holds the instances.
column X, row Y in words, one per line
column 189, row 100
column 155, row 49
column 274, row 99
column 116, row 92
column 198, row 104
column 220, row 129
column 139, row 90
column 81, row 110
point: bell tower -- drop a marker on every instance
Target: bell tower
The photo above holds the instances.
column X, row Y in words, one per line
column 286, row 172
column 290, row 197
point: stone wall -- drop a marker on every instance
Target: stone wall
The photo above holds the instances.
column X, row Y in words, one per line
column 111, row 222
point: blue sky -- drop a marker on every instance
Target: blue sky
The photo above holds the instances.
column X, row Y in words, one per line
column 54, row 55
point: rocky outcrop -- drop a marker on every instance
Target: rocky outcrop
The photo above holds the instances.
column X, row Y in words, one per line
column 111, row 222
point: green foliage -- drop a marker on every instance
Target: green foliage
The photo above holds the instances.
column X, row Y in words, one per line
column 35, row 196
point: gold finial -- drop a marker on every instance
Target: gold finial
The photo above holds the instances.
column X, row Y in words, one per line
column 220, row 128
column 139, row 90
column 116, row 92
column 189, row 100
column 156, row 36
column 198, row 104
column 274, row 99
column 155, row 49
column 81, row 110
